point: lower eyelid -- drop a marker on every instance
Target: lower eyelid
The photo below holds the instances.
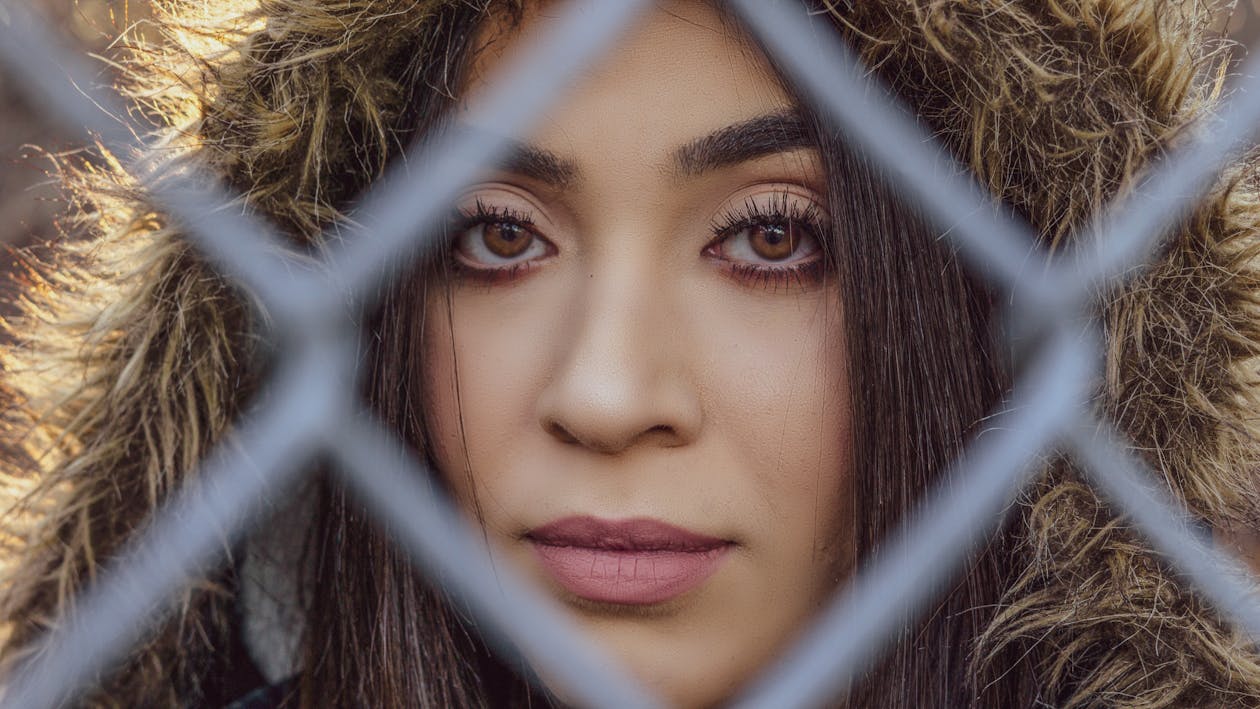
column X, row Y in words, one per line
column 496, row 275
column 800, row 275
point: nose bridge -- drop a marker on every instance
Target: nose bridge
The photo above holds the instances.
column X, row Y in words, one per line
column 622, row 376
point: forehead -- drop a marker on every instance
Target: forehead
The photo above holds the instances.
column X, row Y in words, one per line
column 681, row 71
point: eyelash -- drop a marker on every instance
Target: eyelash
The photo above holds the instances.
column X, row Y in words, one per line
column 482, row 213
column 781, row 209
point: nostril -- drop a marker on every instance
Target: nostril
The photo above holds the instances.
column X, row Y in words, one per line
column 666, row 435
column 561, row 433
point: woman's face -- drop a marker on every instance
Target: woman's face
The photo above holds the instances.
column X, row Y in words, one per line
column 635, row 376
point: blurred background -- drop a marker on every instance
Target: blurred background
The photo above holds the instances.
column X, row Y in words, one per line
column 28, row 194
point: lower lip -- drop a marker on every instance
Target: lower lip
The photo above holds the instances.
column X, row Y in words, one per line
column 628, row 577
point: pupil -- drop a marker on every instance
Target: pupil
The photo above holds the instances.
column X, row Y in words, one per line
column 774, row 235
column 508, row 232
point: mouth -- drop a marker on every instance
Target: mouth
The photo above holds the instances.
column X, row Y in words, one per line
column 635, row 562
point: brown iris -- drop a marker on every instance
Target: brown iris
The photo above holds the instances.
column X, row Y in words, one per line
column 505, row 239
column 774, row 242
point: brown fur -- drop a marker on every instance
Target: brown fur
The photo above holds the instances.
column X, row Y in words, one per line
column 1058, row 107
column 134, row 357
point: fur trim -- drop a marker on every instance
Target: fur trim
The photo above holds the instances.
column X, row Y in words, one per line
column 132, row 355
column 1058, row 107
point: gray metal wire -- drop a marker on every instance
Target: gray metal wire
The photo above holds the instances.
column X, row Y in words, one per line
column 242, row 245
column 394, row 210
column 993, row 241
column 439, row 538
column 1127, row 482
column 922, row 555
column 189, row 533
column 1133, row 229
column 306, row 301
column 310, row 409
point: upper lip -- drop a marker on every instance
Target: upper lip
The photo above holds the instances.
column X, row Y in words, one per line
column 636, row 534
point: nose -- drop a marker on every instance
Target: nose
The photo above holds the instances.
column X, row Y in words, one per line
column 624, row 375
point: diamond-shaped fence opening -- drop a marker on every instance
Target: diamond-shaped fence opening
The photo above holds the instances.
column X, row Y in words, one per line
column 312, row 408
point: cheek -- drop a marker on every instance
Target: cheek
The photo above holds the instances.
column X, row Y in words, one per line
column 484, row 363
column 780, row 398
column 441, row 394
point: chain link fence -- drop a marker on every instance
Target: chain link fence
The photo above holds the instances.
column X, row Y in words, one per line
column 313, row 410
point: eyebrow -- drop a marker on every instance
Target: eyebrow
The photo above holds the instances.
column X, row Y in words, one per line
column 740, row 142
column 538, row 164
column 737, row 143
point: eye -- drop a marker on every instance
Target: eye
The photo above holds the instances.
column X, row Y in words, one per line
column 493, row 238
column 498, row 243
column 782, row 241
column 769, row 230
column 772, row 241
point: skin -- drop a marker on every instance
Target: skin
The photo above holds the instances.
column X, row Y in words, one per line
column 626, row 370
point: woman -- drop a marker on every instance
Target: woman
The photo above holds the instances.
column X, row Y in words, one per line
column 684, row 325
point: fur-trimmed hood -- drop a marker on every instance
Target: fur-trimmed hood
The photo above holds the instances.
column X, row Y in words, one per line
column 132, row 358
